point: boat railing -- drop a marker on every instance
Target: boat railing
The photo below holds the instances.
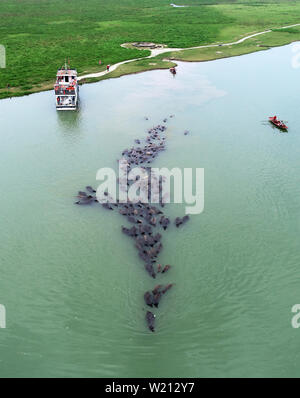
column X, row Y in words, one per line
column 64, row 91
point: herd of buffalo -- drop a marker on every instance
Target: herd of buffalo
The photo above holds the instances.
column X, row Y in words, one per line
column 147, row 220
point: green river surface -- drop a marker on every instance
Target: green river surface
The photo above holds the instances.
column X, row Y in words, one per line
column 73, row 284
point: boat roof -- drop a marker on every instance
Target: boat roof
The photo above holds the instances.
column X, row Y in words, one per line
column 66, row 72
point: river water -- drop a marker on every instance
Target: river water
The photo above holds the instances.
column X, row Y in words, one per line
column 73, row 285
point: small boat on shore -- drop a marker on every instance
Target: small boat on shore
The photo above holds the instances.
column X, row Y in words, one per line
column 278, row 123
column 173, row 71
column 66, row 89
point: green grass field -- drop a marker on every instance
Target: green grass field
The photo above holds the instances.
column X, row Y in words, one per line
column 40, row 34
column 259, row 43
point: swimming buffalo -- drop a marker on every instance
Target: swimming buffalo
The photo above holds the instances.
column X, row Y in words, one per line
column 166, row 268
column 149, row 268
column 150, row 319
column 148, row 297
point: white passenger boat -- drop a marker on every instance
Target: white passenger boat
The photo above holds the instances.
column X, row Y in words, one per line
column 66, row 89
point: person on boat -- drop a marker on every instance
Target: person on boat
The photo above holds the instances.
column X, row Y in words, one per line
column 275, row 118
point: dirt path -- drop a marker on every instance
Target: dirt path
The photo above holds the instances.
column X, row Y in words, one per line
column 159, row 51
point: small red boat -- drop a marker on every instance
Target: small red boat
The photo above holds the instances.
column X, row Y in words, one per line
column 173, row 71
column 278, row 123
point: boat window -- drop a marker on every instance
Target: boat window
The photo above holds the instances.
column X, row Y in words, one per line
column 66, row 79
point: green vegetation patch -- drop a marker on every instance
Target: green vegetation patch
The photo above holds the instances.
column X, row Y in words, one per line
column 135, row 67
column 258, row 43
